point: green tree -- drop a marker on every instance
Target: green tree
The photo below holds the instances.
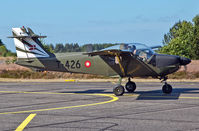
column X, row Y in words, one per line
column 49, row 48
column 196, row 37
column 4, row 51
column 76, row 47
column 183, row 39
column 179, row 40
column 59, row 48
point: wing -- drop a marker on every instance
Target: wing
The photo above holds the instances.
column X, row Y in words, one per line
column 106, row 52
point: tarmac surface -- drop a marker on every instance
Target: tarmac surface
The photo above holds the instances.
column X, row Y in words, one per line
column 68, row 106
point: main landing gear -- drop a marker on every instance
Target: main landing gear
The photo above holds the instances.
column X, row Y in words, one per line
column 166, row 88
column 119, row 89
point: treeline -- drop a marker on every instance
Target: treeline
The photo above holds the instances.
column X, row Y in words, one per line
column 183, row 39
column 59, row 48
column 75, row 47
column 4, row 51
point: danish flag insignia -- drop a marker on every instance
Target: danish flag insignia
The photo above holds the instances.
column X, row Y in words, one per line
column 32, row 47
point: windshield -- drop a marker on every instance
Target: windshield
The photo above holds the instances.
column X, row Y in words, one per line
column 142, row 51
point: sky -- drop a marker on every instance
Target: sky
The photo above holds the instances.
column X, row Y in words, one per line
column 95, row 21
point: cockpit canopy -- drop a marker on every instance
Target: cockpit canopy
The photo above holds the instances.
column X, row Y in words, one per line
column 137, row 49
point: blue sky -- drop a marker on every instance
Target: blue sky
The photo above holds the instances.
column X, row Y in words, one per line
column 95, row 21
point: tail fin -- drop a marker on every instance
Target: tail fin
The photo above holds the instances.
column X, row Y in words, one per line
column 28, row 45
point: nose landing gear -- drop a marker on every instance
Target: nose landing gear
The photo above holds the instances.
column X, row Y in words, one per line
column 130, row 86
column 166, row 88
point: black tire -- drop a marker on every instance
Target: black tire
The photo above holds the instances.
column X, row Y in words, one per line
column 118, row 90
column 130, row 86
column 167, row 89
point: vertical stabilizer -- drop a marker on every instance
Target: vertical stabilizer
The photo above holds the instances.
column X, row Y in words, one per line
column 28, row 45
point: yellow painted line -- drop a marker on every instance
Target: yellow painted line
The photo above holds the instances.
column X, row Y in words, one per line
column 186, row 97
column 180, row 97
column 69, row 80
column 114, row 98
column 25, row 122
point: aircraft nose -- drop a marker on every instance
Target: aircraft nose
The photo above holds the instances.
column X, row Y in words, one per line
column 184, row 61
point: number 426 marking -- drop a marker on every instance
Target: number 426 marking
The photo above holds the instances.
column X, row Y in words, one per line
column 73, row 64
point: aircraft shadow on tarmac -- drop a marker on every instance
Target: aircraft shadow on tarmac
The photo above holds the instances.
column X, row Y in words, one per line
column 158, row 95
column 148, row 95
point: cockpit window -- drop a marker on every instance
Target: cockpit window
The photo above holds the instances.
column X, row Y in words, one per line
column 142, row 51
column 145, row 54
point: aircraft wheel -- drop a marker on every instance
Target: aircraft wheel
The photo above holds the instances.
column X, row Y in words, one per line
column 118, row 90
column 130, row 86
column 167, row 89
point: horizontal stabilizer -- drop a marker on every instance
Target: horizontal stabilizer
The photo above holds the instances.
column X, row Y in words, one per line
column 34, row 36
column 23, row 33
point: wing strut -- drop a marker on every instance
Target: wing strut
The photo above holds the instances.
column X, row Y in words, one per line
column 119, row 61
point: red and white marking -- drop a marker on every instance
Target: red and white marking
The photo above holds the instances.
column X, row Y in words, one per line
column 32, row 47
column 87, row 64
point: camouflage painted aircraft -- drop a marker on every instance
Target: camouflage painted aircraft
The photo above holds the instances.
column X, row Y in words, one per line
column 125, row 60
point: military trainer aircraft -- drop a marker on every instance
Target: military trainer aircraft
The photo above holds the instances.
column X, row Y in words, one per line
column 125, row 60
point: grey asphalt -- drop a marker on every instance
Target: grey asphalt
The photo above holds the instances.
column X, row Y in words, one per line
column 145, row 110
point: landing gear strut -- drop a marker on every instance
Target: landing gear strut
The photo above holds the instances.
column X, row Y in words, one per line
column 130, row 86
column 166, row 88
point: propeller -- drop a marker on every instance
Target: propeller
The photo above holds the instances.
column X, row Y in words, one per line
column 184, row 62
